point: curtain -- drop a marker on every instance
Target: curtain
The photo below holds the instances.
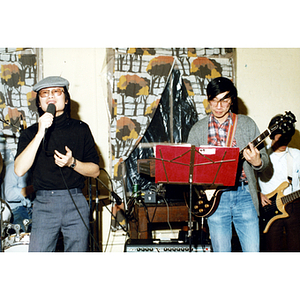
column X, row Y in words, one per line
column 141, row 78
column 19, row 69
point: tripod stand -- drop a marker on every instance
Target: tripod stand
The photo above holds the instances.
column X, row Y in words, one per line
column 207, row 166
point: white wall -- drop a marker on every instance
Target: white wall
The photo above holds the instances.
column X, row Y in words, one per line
column 83, row 69
column 267, row 82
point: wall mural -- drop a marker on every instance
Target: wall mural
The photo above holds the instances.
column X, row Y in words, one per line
column 18, row 74
column 139, row 78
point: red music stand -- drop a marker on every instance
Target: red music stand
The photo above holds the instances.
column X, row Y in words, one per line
column 205, row 165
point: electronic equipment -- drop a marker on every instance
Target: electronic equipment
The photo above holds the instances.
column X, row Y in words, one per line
column 150, row 197
column 156, row 245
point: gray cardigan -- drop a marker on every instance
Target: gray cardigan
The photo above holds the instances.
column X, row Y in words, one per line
column 246, row 131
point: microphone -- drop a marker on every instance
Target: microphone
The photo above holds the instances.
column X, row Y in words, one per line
column 50, row 109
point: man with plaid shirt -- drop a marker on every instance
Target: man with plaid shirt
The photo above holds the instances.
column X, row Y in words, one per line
column 239, row 204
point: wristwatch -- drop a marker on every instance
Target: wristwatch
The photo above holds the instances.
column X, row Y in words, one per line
column 73, row 163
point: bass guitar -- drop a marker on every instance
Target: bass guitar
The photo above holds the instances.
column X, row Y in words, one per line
column 205, row 201
column 276, row 210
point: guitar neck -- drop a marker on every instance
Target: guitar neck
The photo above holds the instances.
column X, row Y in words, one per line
column 290, row 197
column 258, row 140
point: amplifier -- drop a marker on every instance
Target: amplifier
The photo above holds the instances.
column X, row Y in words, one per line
column 139, row 245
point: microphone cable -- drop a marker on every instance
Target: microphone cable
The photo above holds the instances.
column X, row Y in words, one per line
column 51, row 109
column 87, row 228
column 115, row 217
column 65, row 183
column 44, row 146
column 114, row 196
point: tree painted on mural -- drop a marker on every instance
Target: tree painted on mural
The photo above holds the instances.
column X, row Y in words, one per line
column 12, row 79
column 137, row 55
column 189, row 90
column 135, row 87
column 127, row 131
column 159, row 68
column 2, row 100
column 13, row 76
column 184, row 55
column 28, row 66
column 13, row 117
column 151, row 109
column 114, row 106
column 31, row 96
column 133, row 57
column 204, row 68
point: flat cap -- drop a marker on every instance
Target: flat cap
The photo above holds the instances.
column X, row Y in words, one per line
column 50, row 82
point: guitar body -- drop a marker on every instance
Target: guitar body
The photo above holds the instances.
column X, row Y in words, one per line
column 276, row 210
column 205, row 201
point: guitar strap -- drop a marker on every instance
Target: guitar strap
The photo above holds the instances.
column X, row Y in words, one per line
column 289, row 162
column 231, row 130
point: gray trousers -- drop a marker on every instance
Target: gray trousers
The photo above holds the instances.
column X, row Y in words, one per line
column 54, row 211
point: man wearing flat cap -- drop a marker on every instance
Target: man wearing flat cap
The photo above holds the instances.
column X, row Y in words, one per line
column 60, row 152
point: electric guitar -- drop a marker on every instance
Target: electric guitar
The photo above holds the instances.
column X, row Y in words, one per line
column 205, row 201
column 276, row 210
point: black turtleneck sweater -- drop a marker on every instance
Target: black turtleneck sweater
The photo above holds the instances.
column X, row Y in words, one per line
column 64, row 131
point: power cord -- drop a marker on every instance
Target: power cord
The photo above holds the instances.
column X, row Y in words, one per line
column 168, row 216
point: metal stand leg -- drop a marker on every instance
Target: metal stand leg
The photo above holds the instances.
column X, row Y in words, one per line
column 1, row 224
column 190, row 231
column 97, row 213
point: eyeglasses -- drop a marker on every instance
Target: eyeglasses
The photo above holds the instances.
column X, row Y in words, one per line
column 222, row 102
column 54, row 92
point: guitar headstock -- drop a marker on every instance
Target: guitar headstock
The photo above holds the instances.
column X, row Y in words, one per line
column 283, row 123
column 280, row 124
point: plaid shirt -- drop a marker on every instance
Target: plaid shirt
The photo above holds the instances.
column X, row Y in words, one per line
column 217, row 135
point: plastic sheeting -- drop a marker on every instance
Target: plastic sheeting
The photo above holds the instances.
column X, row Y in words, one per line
column 171, row 123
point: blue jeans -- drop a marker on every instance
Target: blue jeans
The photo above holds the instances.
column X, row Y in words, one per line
column 236, row 206
column 54, row 211
column 21, row 213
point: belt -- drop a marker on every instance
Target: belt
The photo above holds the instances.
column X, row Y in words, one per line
column 73, row 191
